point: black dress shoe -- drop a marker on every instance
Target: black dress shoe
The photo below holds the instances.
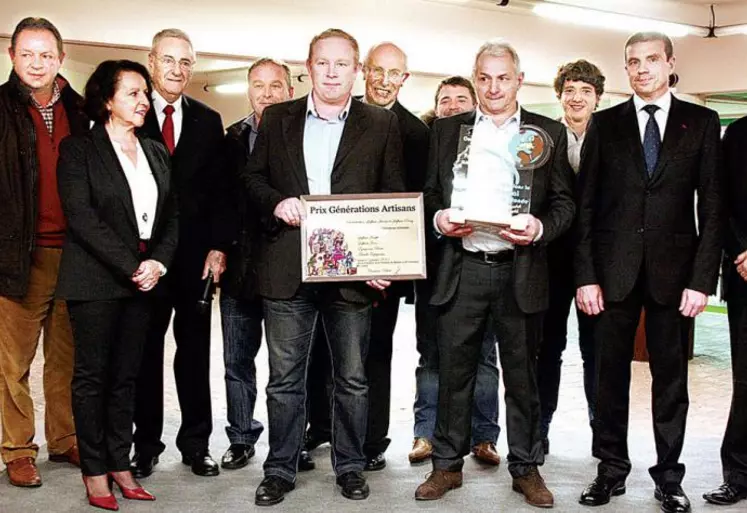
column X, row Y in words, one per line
column 237, row 456
column 313, row 440
column 272, row 490
column 353, row 486
column 202, row 464
column 726, row 494
column 600, row 491
column 142, row 465
column 672, row 498
column 378, row 462
column 305, row 462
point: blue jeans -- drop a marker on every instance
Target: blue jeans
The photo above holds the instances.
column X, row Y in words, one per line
column 485, row 426
column 241, row 320
column 290, row 325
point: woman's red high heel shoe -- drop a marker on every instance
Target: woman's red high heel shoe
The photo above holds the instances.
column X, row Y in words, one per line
column 136, row 494
column 108, row 502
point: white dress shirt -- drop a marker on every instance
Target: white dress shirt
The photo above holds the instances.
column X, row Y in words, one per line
column 664, row 103
column 321, row 140
column 159, row 103
column 575, row 143
column 491, row 168
column 143, row 188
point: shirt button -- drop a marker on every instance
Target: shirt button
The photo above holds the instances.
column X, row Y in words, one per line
column 640, row 230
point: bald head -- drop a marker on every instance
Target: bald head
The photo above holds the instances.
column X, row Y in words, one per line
column 385, row 70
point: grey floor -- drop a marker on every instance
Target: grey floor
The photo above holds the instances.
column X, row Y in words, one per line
column 567, row 470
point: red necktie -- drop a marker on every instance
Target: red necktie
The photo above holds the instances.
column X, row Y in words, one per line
column 168, row 128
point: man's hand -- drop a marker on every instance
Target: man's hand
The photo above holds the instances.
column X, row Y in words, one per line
column 693, row 302
column 216, row 262
column 378, row 284
column 147, row 274
column 449, row 229
column 290, row 211
column 523, row 230
column 590, row 300
column 741, row 263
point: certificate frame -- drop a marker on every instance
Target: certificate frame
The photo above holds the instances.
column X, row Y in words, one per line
column 382, row 243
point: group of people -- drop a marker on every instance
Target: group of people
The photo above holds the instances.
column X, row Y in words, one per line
column 120, row 206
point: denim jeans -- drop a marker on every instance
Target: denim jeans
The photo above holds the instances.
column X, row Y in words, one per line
column 485, row 426
column 241, row 320
column 290, row 325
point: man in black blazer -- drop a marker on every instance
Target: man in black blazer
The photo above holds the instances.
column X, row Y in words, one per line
column 193, row 133
column 385, row 71
column 324, row 143
column 500, row 275
column 639, row 247
column 734, row 276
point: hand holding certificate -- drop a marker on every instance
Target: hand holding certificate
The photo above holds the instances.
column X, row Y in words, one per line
column 363, row 237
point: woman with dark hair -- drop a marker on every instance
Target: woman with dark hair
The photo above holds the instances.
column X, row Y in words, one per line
column 122, row 234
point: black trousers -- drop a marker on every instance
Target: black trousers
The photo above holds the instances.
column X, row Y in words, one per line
column 734, row 446
column 191, row 373
column 487, row 290
column 109, row 337
column 554, row 341
column 378, row 373
column 668, row 352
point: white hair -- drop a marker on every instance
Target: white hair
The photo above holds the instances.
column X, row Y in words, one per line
column 497, row 48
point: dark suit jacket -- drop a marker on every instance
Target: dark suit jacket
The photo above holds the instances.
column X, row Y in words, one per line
column 735, row 174
column 552, row 203
column 369, row 159
column 100, row 253
column 627, row 220
column 199, row 175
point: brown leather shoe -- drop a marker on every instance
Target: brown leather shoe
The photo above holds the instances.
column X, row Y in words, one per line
column 71, row 456
column 421, row 450
column 438, row 483
column 487, row 453
column 533, row 487
column 23, row 472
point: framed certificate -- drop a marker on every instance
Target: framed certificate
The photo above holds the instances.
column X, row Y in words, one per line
column 360, row 237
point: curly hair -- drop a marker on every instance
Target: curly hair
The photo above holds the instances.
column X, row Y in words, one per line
column 582, row 71
column 102, row 85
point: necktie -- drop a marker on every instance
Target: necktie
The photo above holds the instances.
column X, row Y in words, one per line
column 168, row 128
column 651, row 140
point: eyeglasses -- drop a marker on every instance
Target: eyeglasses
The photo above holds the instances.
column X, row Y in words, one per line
column 394, row 75
column 168, row 61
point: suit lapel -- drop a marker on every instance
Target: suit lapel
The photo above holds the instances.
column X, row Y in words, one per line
column 161, row 177
column 111, row 164
column 630, row 132
column 150, row 128
column 189, row 132
column 673, row 134
column 293, row 127
column 355, row 126
column 451, row 145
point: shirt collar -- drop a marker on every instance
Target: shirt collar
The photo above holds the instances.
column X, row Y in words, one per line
column 159, row 103
column 664, row 103
column 251, row 122
column 311, row 108
column 56, row 95
column 481, row 116
column 570, row 130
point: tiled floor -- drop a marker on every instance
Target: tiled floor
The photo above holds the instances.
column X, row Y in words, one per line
column 567, row 470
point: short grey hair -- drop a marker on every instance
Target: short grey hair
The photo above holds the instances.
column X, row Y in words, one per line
column 170, row 32
column 497, row 48
column 264, row 61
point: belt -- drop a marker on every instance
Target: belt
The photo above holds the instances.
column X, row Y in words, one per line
column 492, row 257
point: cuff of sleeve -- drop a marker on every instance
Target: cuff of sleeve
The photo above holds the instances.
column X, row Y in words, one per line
column 540, row 233
column 162, row 268
column 435, row 223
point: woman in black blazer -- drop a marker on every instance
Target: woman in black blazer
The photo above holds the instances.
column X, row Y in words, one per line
column 121, row 238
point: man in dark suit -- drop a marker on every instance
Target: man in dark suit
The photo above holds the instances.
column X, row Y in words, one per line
column 193, row 134
column 734, row 276
column 639, row 248
column 385, row 71
column 324, row 143
column 499, row 274
column 579, row 86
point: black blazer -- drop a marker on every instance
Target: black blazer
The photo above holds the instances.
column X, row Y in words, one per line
column 735, row 174
column 627, row 219
column 100, row 253
column 552, row 203
column 369, row 159
column 201, row 183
